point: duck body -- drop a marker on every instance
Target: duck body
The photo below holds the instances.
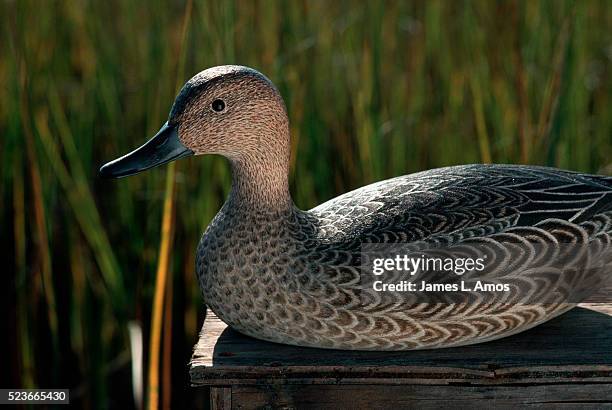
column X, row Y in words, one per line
column 278, row 273
column 295, row 277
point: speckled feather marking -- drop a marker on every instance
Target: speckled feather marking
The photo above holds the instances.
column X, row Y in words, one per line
column 293, row 277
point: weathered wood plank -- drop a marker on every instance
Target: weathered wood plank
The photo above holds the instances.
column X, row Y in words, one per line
column 431, row 397
column 220, row 398
column 576, row 347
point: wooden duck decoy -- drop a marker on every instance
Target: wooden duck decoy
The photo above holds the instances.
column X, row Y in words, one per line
column 278, row 273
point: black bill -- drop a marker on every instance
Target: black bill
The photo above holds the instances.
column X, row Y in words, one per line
column 164, row 147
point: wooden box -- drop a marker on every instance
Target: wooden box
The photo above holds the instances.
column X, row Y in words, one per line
column 566, row 362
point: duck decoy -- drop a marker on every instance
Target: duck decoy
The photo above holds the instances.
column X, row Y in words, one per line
column 278, row 273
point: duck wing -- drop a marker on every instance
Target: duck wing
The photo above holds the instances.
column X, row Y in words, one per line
column 491, row 198
column 521, row 215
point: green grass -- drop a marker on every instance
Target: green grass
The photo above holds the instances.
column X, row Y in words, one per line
column 373, row 89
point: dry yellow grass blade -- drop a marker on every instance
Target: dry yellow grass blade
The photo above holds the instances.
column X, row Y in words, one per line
column 167, row 351
column 163, row 265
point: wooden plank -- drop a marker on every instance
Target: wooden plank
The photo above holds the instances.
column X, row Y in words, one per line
column 430, row 397
column 220, row 398
column 576, row 347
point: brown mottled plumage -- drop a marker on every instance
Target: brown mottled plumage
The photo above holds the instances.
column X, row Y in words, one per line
column 278, row 273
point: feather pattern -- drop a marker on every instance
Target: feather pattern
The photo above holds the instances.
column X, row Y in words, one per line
column 548, row 232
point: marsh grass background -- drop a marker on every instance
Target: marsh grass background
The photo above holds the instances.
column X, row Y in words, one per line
column 374, row 90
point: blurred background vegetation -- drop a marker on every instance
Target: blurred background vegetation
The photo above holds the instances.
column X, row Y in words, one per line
column 374, row 90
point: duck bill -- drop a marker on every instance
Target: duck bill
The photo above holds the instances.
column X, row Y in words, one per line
column 164, row 147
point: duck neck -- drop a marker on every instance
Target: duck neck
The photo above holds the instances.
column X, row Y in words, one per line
column 260, row 171
column 260, row 184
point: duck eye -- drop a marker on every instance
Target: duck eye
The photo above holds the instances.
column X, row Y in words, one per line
column 218, row 105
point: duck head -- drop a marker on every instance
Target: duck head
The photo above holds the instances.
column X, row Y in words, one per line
column 233, row 111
